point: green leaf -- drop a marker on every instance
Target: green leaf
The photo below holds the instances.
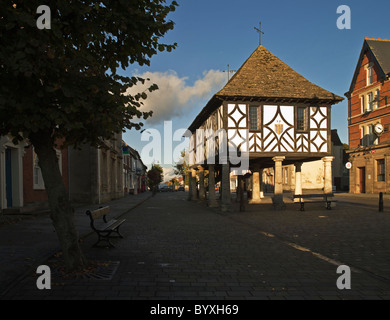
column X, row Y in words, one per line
column 67, row 79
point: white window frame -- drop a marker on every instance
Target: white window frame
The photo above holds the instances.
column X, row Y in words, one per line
column 370, row 101
column 376, row 98
column 370, row 75
column 362, row 103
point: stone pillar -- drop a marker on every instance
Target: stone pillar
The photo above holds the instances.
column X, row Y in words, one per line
column 261, row 183
column 202, row 191
column 298, row 179
column 194, row 195
column 212, row 200
column 225, row 193
column 278, row 184
column 193, row 189
column 328, row 184
column 261, row 177
column 256, row 186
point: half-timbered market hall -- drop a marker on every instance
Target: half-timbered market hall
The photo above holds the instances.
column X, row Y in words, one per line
column 273, row 116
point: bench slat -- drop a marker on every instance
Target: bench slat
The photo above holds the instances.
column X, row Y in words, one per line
column 95, row 214
column 325, row 195
column 110, row 225
column 117, row 223
column 316, row 201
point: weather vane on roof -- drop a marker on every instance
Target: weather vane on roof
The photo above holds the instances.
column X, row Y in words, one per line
column 229, row 72
column 260, row 32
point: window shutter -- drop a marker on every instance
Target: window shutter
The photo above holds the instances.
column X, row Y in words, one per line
column 362, row 104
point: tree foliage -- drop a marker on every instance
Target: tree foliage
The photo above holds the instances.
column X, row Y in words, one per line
column 155, row 176
column 64, row 84
column 181, row 168
column 65, row 80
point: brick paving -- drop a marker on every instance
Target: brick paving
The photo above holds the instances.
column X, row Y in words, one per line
column 174, row 249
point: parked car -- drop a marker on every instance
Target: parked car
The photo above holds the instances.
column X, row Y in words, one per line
column 181, row 188
column 165, row 188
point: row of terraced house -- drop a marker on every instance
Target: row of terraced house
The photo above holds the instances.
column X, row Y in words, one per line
column 91, row 175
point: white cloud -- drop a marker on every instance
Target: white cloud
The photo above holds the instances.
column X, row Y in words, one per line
column 175, row 97
column 168, row 174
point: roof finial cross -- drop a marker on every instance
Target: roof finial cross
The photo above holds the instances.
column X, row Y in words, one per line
column 229, row 72
column 260, row 32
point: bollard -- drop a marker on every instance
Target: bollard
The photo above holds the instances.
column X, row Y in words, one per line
column 380, row 201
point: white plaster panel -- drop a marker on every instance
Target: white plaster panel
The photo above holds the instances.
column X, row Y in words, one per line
column 269, row 113
column 288, row 113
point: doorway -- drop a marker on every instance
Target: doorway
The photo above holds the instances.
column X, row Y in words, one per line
column 362, row 180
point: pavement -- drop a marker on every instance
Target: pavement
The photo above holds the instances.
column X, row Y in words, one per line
column 27, row 240
column 175, row 249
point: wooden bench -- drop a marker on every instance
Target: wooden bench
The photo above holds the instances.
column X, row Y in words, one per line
column 317, row 198
column 105, row 228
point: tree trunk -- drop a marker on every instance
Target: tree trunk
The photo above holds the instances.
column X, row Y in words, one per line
column 62, row 213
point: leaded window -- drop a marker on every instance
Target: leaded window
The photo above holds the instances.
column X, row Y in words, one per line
column 301, row 124
column 254, row 123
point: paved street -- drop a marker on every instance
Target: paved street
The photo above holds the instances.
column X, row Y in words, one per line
column 176, row 249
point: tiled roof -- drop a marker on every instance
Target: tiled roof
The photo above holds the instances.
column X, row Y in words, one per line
column 264, row 75
column 381, row 50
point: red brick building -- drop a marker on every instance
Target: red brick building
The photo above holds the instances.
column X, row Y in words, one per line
column 21, row 184
column 369, row 119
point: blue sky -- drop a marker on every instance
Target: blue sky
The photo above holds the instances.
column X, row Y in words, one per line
column 215, row 33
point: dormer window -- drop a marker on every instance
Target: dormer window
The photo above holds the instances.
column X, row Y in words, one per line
column 369, row 75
